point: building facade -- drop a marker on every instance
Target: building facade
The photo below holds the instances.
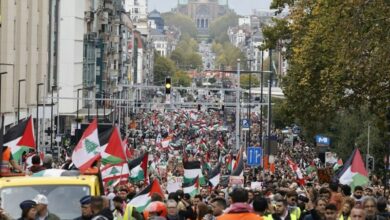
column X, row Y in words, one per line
column 24, row 56
column 203, row 12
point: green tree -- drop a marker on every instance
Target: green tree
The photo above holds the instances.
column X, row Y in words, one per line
column 163, row 67
column 218, row 28
column 249, row 79
column 185, row 54
column 181, row 78
column 339, row 68
column 227, row 55
column 184, row 23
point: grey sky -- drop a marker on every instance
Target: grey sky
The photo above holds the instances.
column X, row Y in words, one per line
column 242, row 7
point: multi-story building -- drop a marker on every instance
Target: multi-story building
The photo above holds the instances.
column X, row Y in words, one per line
column 24, row 37
column 203, row 12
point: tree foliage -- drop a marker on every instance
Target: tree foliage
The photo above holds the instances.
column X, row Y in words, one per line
column 163, row 67
column 184, row 23
column 227, row 55
column 185, row 54
column 181, row 78
column 338, row 62
column 219, row 27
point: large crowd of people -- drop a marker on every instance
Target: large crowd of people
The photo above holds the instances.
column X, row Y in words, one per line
column 171, row 138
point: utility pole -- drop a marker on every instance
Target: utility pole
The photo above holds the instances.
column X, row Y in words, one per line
column 269, row 104
column 261, row 97
column 238, row 106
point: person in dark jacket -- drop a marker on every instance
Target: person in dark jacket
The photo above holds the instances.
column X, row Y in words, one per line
column 369, row 205
column 86, row 211
column 381, row 205
column 99, row 211
column 36, row 164
column 29, row 210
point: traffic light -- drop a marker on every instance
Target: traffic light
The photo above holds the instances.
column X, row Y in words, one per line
column 199, row 107
column 370, row 163
column 223, row 108
column 168, row 85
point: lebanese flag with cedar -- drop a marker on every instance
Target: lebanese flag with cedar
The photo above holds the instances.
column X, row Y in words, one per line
column 87, row 151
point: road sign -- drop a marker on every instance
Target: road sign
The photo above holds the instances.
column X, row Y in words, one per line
column 255, row 154
column 322, row 140
column 245, row 123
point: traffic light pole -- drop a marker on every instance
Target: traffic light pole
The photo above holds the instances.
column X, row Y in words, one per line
column 238, row 106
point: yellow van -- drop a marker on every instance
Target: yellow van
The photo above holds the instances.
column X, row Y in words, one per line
column 63, row 192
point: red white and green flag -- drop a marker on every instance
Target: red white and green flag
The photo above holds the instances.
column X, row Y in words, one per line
column 353, row 172
column 192, row 170
column 87, row 151
column 143, row 198
column 115, row 174
column 139, row 168
column 192, row 187
column 112, row 147
column 20, row 138
column 338, row 165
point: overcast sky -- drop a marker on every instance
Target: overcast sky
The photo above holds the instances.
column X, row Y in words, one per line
column 242, row 7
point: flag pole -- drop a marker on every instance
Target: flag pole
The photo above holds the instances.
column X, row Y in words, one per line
column 1, row 140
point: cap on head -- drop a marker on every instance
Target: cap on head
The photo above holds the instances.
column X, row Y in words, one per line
column 27, row 204
column 85, row 200
column 41, row 199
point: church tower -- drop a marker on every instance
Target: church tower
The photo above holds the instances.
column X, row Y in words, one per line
column 203, row 12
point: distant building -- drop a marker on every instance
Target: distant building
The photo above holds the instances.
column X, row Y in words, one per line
column 203, row 12
column 155, row 21
column 138, row 9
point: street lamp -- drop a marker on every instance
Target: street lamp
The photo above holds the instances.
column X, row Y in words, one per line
column 77, row 108
column 51, row 117
column 1, row 76
column 21, row 80
column 36, row 140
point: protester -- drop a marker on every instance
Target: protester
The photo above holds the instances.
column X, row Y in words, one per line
column 99, row 211
column 173, row 213
column 218, row 205
column 240, row 209
column 36, row 164
column 369, row 205
column 347, row 206
column 42, row 210
column 358, row 194
column 331, row 212
column 357, row 213
column 118, row 207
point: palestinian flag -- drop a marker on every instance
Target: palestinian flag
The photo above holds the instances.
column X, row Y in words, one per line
column 231, row 163
column 87, row 151
column 114, row 174
column 192, row 187
column 192, row 170
column 239, row 168
column 310, row 169
column 353, row 172
column 56, row 173
column 215, row 176
column 338, row 165
column 143, row 198
column 112, row 147
column 20, row 138
column 139, row 168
